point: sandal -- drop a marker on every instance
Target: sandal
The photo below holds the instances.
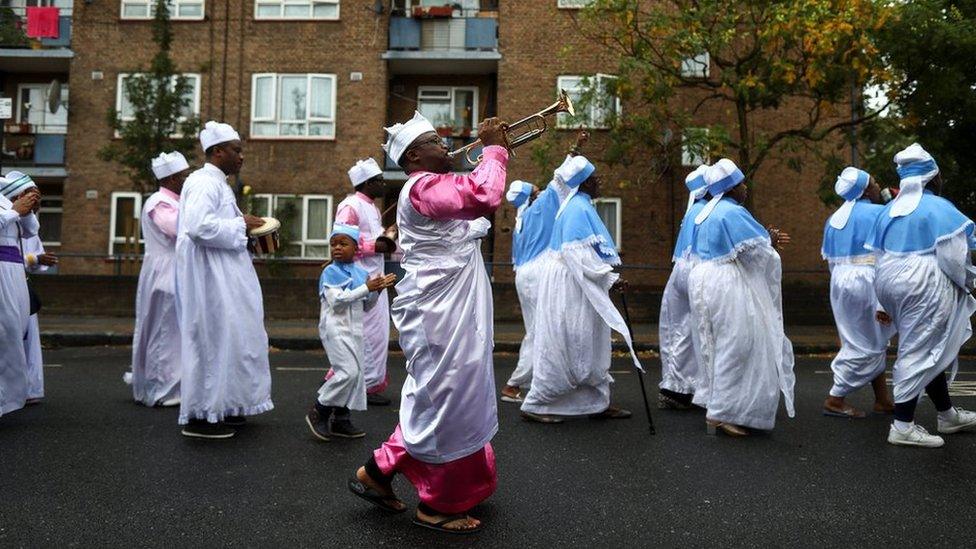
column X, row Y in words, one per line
column 541, row 418
column 439, row 526
column 515, row 399
column 612, row 412
column 848, row 412
column 374, row 497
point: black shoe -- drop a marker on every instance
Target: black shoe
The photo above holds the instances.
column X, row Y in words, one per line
column 235, row 421
column 377, row 399
column 199, row 428
column 342, row 427
column 319, row 423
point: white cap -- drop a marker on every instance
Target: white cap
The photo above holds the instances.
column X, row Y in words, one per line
column 402, row 135
column 575, row 170
column 697, row 188
column 916, row 168
column 850, row 186
column 519, row 192
column 166, row 164
column 721, row 177
column 363, row 171
column 215, row 133
column 14, row 184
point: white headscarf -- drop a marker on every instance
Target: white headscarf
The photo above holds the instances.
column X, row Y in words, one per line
column 850, row 186
column 363, row 171
column 574, row 171
column 402, row 135
column 697, row 187
column 166, row 164
column 518, row 194
column 721, row 177
column 916, row 167
column 215, row 133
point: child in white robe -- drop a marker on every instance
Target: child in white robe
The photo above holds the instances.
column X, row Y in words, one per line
column 346, row 292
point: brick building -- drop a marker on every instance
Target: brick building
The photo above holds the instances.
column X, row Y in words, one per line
column 311, row 83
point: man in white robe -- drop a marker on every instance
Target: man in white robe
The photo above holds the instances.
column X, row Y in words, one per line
column 18, row 199
column 923, row 281
column 359, row 210
column 156, row 364
column 572, row 353
column 737, row 311
column 224, row 346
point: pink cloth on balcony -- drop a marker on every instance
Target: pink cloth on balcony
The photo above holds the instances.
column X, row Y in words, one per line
column 452, row 487
column 454, row 196
column 43, row 22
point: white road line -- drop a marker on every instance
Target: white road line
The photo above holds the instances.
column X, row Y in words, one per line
column 299, row 369
column 53, row 366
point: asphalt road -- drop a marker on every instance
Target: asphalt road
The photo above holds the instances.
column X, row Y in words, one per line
column 90, row 468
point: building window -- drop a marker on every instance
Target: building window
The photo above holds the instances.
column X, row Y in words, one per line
column 572, row 4
column 296, row 9
column 126, row 111
column 452, row 110
column 305, row 219
column 293, row 106
column 178, row 9
column 32, row 108
column 126, row 234
column 609, row 211
column 65, row 6
column 696, row 66
column 694, row 146
column 49, row 216
column 597, row 104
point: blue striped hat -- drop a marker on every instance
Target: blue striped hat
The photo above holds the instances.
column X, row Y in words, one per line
column 14, row 184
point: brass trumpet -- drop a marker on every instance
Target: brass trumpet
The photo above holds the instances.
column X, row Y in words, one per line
column 525, row 130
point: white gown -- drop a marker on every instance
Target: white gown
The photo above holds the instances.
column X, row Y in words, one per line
column 156, row 364
column 679, row 355
column 746, row 359
column 443, row 311
column 341, row 331
column 224, row 346
column 527, row 278
column 35, row 358
column 14, row 309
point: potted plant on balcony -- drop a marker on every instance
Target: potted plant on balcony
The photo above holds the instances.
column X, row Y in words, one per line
column 446, row 10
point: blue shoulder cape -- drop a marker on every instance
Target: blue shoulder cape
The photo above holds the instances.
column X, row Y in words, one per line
column 728, row 229
column 934, row 221
column 536, row 227
column 849, row 241
column 682, row 244
column 343, row 276
column 579, row 225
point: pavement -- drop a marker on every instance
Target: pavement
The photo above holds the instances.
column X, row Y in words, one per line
column 89, row 468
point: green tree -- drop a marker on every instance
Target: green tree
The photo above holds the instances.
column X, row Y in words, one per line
column 11, row 33
column 161, row 118
column 780, row 74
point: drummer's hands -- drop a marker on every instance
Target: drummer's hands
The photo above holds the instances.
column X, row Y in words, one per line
column 381, row 282
column 48, row 260
column 491, row 131
column 779, row 237
column 252, row 222
column 26, row 203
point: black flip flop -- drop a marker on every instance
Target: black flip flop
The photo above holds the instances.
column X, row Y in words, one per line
column 374, row 497
column 439, row 526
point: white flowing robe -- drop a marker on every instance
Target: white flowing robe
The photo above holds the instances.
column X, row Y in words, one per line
column 341, row 327
column 443, row 311
column 14, row 310
column 35, row 358
column 927, row 296
column 527, row 278
column 156, row 364
column 746, row 358
column 224, row 346
column 376, row 320
column 679, row 355
column 864, row 340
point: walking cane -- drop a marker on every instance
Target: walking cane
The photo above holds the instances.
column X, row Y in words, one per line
column 640, row 374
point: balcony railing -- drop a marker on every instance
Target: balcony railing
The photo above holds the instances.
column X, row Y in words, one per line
column 24, row 146
column 15, row 30
column 450, row 33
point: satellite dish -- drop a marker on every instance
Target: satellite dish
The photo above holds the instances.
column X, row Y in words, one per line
column 54, row 96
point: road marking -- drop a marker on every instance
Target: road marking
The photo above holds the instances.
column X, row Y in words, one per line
column 52, row 366
column 621, row 372
column 297, row 369
column 956, row 388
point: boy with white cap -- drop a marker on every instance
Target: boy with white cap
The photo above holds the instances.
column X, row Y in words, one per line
column 359, row 210
column 679, row 361
column 923, row 281
column 156, row 361
column 863, row 337
column 737, row 311
column 443, row 312
column 224, row 347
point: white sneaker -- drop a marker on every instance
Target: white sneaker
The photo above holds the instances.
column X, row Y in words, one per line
column 964, row 420
column 916, row 436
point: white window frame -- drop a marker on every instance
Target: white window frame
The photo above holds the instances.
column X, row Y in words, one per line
column 453, row 90
column 594, row 121
column 114, row 239
column 688, row 157
column 54, row 209
column 696, row 66
column 311, row 9
column 572, row 4
column 174, row 10
column 617, row 231
column 277, row 76
column 120, row 89
column 43, row 87
column 19, row 6
column 272, row 201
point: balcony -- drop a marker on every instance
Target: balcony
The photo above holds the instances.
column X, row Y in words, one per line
column 18, row 53
column 443, row 40
column 33, row 150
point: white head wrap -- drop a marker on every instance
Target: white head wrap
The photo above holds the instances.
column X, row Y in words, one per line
column 850, row 186
column 916, row 168
column 695, row 181
column 14, row 184
column 402, row 135
column 518, row 194
column 721, row 177
column 166, row 164
column 363, row 171
column 215, row 133
column 574, row 171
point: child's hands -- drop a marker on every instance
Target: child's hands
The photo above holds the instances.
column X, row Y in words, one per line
column 381, row 282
